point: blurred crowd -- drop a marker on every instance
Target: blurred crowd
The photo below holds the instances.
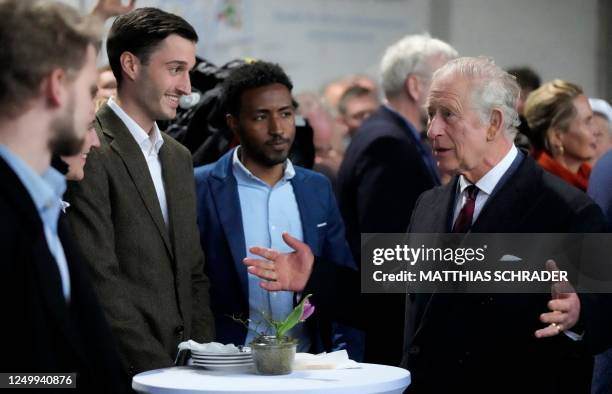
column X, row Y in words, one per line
column 134, row 196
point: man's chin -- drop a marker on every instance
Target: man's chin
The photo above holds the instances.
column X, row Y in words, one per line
column 274, row 160
column 447, row 167
column 168, row 114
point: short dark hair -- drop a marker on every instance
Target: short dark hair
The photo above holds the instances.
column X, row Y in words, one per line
column 140, row 32
column 251, row 76
column 526, row 77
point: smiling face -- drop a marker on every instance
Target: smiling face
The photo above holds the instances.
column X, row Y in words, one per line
column 107, row 84
column 265, row 124
column 165, row 78
column 459, row 139
column 76, row 163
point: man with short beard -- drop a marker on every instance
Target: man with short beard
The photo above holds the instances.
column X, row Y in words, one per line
column 251, row 196
column 55, row 323
column 135, row 210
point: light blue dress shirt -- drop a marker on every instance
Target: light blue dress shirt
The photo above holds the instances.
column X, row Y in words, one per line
column 268, row 212
column 46, row 191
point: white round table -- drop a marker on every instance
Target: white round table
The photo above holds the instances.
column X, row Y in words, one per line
column 372, row 378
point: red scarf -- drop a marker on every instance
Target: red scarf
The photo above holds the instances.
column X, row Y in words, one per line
column 579, row 179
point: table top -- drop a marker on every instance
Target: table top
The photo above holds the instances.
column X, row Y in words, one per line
column 371, row 378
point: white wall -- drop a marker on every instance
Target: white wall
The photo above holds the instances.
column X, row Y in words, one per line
column 557, row 37
column 318, row 40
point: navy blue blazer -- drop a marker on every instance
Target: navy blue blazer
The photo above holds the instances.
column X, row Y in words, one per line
column 380, row 179
column 222, row 239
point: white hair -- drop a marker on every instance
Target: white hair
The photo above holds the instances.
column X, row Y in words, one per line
column 492, row 88
column 410, row 55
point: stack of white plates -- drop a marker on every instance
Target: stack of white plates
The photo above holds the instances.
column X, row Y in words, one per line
column 240, row 361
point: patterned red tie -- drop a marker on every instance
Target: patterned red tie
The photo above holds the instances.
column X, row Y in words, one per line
column 464, row 220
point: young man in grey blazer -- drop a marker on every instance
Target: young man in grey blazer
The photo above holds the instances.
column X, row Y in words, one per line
column 134, row 213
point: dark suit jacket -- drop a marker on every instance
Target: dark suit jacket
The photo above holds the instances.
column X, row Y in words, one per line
column 150, row 279
column 40, row 331
column 222, row 238
column 486, row 342
column 381, row 177
column 600, row 185
column 481, row 343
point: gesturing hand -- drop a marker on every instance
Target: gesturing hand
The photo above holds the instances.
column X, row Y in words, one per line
column 282, row 271
column 564, row 306
column 109, row 8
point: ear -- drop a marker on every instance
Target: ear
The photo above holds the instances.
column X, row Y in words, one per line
column 412, row 87
column 232, row 123
column 496, row 123
column 53, row 87
column 130, row 64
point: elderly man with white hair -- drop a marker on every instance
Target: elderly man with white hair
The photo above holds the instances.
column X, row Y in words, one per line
column 494, row 342
column 387, row 166
column 477, row 343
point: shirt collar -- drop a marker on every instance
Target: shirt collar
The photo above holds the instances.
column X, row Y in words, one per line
column 241, row 171
column 46, row 190
column 147, row 143
column 488, row 182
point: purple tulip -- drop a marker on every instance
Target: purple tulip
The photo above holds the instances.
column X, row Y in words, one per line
column 308, row 310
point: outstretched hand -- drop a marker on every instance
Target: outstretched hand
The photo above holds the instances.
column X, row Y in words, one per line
column 564, row 307
column 109, row 8
column 282, row 271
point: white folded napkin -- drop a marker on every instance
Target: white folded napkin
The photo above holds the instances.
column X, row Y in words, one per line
column 211, row 347
column 333, row 360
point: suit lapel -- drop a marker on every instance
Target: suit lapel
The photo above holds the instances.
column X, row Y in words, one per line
column 174, row 186
column 518, row 190
column 441, row 216
column 514, row 190
column 440, row 212
column 307, row 209
column 126, row 147
column 227, row 201
column 16, row 191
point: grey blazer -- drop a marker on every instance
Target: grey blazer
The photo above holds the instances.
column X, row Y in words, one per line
column 149, row 277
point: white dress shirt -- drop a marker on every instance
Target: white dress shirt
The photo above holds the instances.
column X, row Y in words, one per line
column 150, row 145
column 485, row 185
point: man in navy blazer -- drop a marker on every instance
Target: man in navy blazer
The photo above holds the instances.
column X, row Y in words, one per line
column 385, row 169
column 254, row 193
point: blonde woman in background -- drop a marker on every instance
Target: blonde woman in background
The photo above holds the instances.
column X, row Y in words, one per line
column 563, row 137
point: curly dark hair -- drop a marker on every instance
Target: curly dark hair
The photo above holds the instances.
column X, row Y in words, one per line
column 251, row 76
